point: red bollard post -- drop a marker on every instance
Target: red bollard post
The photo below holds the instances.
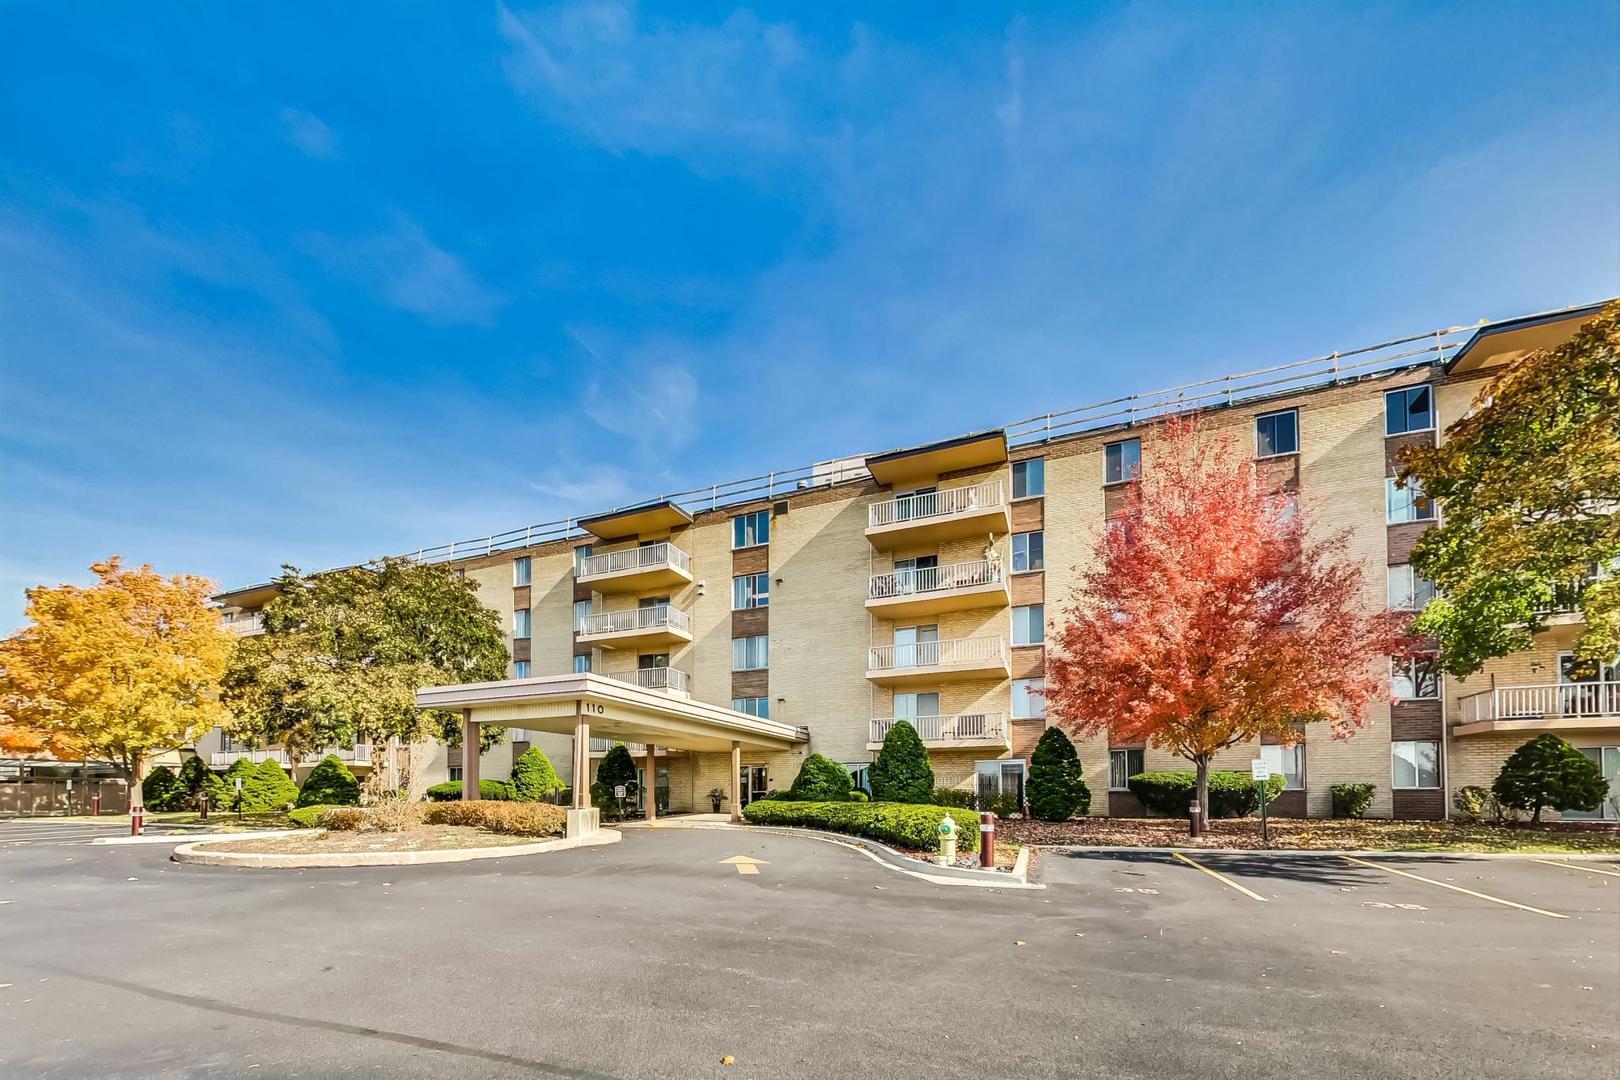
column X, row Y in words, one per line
column 987, row 840
column 136, row 816
column 95, row 804
column 1195, row 820
column 202, row 807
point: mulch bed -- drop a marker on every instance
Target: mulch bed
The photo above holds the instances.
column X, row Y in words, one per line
column 1314, row 834
column 419, row 838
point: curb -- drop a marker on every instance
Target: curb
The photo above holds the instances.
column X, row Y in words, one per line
column 1120, row 849
column 184, row 839
column 193, row 853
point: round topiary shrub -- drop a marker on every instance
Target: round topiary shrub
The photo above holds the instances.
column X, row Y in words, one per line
column 197, row 780
column 1057, row 788
column 820, row 779
column 330, row 784
column 617, row 769
column 533, row 778
column 1548, row 772
column 1351, row 800
column 268, row 789
column 161, row 790
column 901, row 772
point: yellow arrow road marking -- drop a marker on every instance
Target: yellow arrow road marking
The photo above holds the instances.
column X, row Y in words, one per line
column 1457, row 888
column 1576, row 866
column 745, row 864
column 1222, row 878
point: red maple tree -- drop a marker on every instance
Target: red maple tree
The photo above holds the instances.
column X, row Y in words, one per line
column 1211, row 616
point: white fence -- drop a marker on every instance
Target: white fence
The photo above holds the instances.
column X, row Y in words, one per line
column 650, row 557
column 966, row 728
column 359, row 752
column 934, row 579
column 976, row 650
column 656, row 617
column 936, row 504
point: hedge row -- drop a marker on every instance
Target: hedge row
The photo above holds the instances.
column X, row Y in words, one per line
column 907, row 825
column 1231, row 794
column 488, row 790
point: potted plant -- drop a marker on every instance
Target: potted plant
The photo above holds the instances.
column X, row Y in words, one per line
column 716, row 796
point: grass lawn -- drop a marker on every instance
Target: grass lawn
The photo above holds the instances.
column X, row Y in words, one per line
column 1323, row 834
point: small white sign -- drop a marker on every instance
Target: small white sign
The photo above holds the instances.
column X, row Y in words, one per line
column 983, row 827
column 618, row 791
column 238, row 783
column 1260, row 770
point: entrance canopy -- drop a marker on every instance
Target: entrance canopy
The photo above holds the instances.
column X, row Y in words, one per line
column 613, row 710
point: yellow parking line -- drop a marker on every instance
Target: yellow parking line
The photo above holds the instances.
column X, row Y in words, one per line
column 1457, row 888
column 1576, row 866
column 1222, row 878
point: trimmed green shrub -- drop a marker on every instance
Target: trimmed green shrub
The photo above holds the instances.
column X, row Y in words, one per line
column 901, row 772
column 1351, row 800
column 1548, row 773
column 197, row 779
column 268, row 789
column 509, row 818
column 533, row 778
column 241, row 769
column 907, row 825
column 820, row 779
column 954, row 796
column 1231, row 794
column 1002, row 804
column 617, row 767
column 161, row 790
column 330, row 783
column 306, row 817
column 1057, row 788
column 488, row 790
column 857, row 795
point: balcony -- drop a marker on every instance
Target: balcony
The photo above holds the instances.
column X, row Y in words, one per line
column 1585, row 706
column 938, row 661
column 638, row 569
column 358, row 754
column 662, row 678
column 637, row 750
column 934, row 589
column 948, row 732
column 246, row 625
column 659, row 624
column 946, row 514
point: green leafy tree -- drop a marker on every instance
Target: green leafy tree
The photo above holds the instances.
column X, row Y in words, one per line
column 197, row 779
column 344, row 652
column 901, row 772
column 1548, row 772
column 533, row 778
column 1057, row 786
column 268, row 789
column 330, row 783
column 1530, row 483
column 820, row 779
column 161, row 790
column 617, row 767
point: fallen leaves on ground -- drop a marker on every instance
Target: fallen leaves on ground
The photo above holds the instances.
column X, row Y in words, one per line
column 1321, row 834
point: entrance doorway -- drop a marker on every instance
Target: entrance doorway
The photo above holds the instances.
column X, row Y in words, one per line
column 753, row 783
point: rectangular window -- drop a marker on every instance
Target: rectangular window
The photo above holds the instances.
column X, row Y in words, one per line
column 750, row 591
column 1408, row 590
column 1122, row 461
column 753, row 706
column 455, row 772
column 520, row 571
column 1122, row 765
column 1029, row 625
column 1416, row 765
column 582, row 608
column 998, row 781
column 520, row 623
column 1406, row 503
column 1276, row 433
column 581, row 553
column 750, row 653
column 1028, row 551
column 582, row 664
column 1413, row 678
column 1408, row 409
column 1027, row 705
column 520, row 669
column 751, row 530
column 1029, row 478
column 1288, row 760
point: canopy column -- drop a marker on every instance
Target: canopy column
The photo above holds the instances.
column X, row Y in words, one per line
column 469, row 756
column 651, row 785
column 736, row 782
column 582, row 758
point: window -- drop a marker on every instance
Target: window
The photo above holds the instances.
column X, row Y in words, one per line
column 753, row 706
column 860, row 777
column 1028, row 551
column 1276, row 433
column 520, row 669
column 750, row 653
column 1122, row 765
column 1029, row 478
column 999, row 780
column 1025, row 703
column 520, row 623
column 1029, row 625
column 581, row 553
column 1416, row 765
column 582, row 608
column 1408, row 591
column 750, row 591
column 1413, row 678
column 455, row 773
column 520, row 571
column 1406, row 503
column 751, row 530
column 1122, row 461
column 1288, row 760
column 582, row 664
column 1410, row 409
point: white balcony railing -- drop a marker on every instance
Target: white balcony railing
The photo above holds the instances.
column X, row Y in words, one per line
column 359, row 752
column 936, row 504
column 660, row 678
column 656, row 617
column 920, row 654
column 1548, row 701
column 931, row 579
column 636, row 749
column 246, row 625
column 650, row 557
column 968, row 729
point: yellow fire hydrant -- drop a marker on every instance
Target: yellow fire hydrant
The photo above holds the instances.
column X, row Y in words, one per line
column 947, row 842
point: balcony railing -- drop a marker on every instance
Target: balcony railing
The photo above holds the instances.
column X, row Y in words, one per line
column 636, row 749
column 933, row 579
column 978, row 650
column 246, row 625
column 359, row 752
column 650, row 557
column 661, row 678
column 966, row 729
column 936, row 504
column 1548, row 701
column 657, row 617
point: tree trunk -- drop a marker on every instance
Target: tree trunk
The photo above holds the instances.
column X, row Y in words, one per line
column 1201, row 764
column 133, row 777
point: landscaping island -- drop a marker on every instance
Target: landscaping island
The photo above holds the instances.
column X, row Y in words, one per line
column 1323, row 834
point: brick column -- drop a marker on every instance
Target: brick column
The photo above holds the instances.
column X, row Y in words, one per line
column 469, row 756
column 736, row 782
column 582, row 758
column 652, row 782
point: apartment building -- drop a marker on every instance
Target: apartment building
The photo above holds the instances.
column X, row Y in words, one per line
column 922, row 583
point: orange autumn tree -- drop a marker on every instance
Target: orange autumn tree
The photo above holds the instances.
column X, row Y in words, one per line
column 1211, row 616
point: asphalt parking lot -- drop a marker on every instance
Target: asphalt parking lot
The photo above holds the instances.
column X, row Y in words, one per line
column 656, row 958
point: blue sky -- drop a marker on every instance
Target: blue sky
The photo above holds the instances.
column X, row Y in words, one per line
column 315, row 283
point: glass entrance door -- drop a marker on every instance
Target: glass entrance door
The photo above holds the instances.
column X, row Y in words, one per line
column 752, row 783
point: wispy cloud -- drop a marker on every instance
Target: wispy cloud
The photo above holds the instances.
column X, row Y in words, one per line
column 404, row 267
column 309, row 133
column 650, row 398
column 589, row 488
